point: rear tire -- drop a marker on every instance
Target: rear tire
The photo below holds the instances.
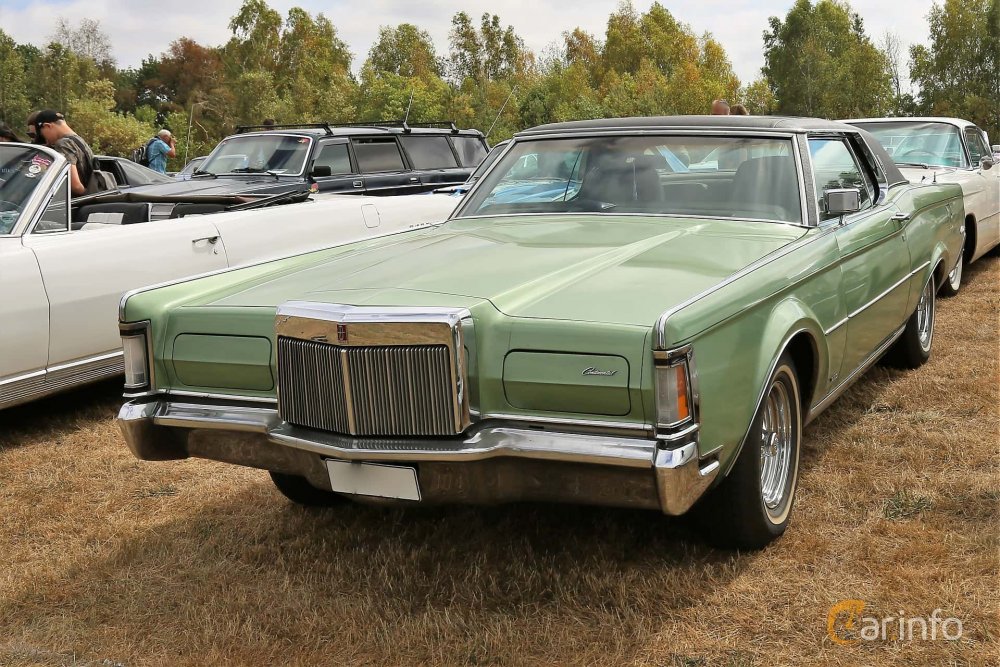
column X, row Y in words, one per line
column 953, row 281
column 913, row 348
column 300, row 491
column 753, row 505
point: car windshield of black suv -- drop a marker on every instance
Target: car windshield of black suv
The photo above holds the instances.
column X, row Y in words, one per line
column 21, row 170
column 743, row 177
column 259, row 154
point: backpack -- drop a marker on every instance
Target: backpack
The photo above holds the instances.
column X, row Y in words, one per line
column 141, row 155
column 98, row 180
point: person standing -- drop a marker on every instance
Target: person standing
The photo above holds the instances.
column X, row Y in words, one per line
column 7, row 134
column 159, row 150
column 720, row 108
column 739, row 110
column 51, row 126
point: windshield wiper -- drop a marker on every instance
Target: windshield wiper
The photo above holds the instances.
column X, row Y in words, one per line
column 199, row 172
column 922, row 165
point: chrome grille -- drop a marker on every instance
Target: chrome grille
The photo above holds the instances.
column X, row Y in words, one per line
column 367, row 390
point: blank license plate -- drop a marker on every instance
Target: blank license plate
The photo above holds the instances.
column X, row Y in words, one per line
column 374, row 479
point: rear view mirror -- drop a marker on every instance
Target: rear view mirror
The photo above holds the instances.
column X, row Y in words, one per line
column 320, row 171
column 842, row 200
column 985, row 163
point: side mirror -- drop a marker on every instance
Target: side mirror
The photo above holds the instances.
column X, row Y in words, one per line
column 985, row 163
column 320, row 171
column 995, row 148
column 842, row 200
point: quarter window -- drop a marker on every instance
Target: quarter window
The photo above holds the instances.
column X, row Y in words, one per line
column 429, row 152
column 378, row 155
column 471, row 150
column 977, row 147
column 55, row 217
column 834, row 168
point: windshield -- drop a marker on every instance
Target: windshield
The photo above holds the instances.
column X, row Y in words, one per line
column 738, row 177
column 259, row 153
column 919, row 143
column 21, row 169
column 490, row 158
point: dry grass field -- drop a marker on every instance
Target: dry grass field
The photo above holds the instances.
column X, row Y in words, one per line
column 105, row 560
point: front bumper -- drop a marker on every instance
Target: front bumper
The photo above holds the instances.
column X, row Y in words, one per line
column 496, row 461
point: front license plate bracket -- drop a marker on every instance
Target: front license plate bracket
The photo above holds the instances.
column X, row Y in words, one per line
column 373, row 479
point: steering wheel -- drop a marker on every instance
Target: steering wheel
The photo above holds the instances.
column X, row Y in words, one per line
column 9, row 206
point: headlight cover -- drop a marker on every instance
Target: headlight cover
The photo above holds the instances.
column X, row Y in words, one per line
column 135, row 344
column 675, row 394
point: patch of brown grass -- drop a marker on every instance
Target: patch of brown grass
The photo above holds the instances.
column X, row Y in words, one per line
column 109, row 560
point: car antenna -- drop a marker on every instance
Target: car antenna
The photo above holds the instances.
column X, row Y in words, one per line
column 408, row 105
column 504, row 106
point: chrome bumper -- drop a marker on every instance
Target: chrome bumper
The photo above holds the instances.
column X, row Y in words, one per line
column 496, row 462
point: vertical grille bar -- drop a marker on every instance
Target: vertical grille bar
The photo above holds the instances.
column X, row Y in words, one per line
column 394, row 390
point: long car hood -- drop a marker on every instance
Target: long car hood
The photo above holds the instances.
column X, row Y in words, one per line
column 623, row 270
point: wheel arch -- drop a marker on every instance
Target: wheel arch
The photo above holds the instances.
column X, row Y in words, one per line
column 971, row 238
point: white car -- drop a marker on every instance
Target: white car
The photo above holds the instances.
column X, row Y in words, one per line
column 62, row 275
column 948, row 150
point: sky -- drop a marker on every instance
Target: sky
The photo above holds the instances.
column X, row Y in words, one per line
column 141, row 27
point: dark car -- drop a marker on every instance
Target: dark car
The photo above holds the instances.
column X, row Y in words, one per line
column 128, row 174
column 185, row 173
column 391, row 158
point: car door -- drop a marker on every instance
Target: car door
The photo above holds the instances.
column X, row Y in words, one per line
column 24, row 319
column 86, row 271
column 433, row 160
column 333, row 170
column 381, row 163
column 988, row 195
column 875, row 260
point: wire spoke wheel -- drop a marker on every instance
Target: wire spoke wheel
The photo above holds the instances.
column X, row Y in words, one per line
column 925, row 316
column 777, row 444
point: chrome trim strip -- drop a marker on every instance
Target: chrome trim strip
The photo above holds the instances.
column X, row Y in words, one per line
column 213, row 396
column 836, row 326
column 879, row 297
column 566, row 421
column 712, row 452
column 660, row 342
column 592, row 214
column 34, row 385
column 89, row 360
column 835, row 393
column 684, row 433
column 22, row 378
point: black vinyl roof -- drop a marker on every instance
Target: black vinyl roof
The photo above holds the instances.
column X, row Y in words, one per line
column 776, row 123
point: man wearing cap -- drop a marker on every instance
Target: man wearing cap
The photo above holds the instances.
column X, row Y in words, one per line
column 160, row 150
column 51, row 126
column 30, row 122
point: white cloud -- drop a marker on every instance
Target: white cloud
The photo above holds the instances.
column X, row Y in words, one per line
column 141, row 27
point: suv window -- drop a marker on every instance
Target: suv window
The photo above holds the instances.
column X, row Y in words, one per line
column 471, row 150
column 834, row 167
column 336, row 157
column 977, row 146
column 429, row 152
column 378, row 154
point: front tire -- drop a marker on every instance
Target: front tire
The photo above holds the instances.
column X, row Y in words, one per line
column 300, row 491
column 913, row 348
column 953, row 281
column 753, row 505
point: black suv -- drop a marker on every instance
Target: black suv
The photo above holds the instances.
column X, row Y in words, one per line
column 385, row 158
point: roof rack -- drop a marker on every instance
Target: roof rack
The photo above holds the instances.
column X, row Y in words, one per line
column 444, row 124
column 240, row 129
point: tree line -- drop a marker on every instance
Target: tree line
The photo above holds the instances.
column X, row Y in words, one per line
column 819, row 61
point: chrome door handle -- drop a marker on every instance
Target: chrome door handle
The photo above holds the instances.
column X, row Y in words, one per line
column 358, row 184
column 414, row 179
column 212, row 240
column 900, row 217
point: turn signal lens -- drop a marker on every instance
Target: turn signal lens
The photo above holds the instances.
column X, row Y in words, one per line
column 673, row 393
column 136, row 361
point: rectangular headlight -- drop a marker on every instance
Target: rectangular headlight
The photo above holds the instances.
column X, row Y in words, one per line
column 672, row 376
column 134, row 344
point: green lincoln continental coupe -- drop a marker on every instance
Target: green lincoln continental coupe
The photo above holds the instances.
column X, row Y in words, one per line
column 638, row 312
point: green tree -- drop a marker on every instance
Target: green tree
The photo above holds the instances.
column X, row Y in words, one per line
column 820, row 62
column 93, row 117
column 14, row 106
column 958, row 73
column 405, row 50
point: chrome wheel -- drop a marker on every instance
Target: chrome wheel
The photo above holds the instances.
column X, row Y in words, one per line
column 955, row 277
column 777, row 448
column 925, row 316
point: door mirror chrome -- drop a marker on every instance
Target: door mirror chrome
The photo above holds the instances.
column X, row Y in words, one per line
column 842, row 200
column 985, row 163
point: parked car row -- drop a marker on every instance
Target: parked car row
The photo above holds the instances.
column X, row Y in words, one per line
column 596, row 322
